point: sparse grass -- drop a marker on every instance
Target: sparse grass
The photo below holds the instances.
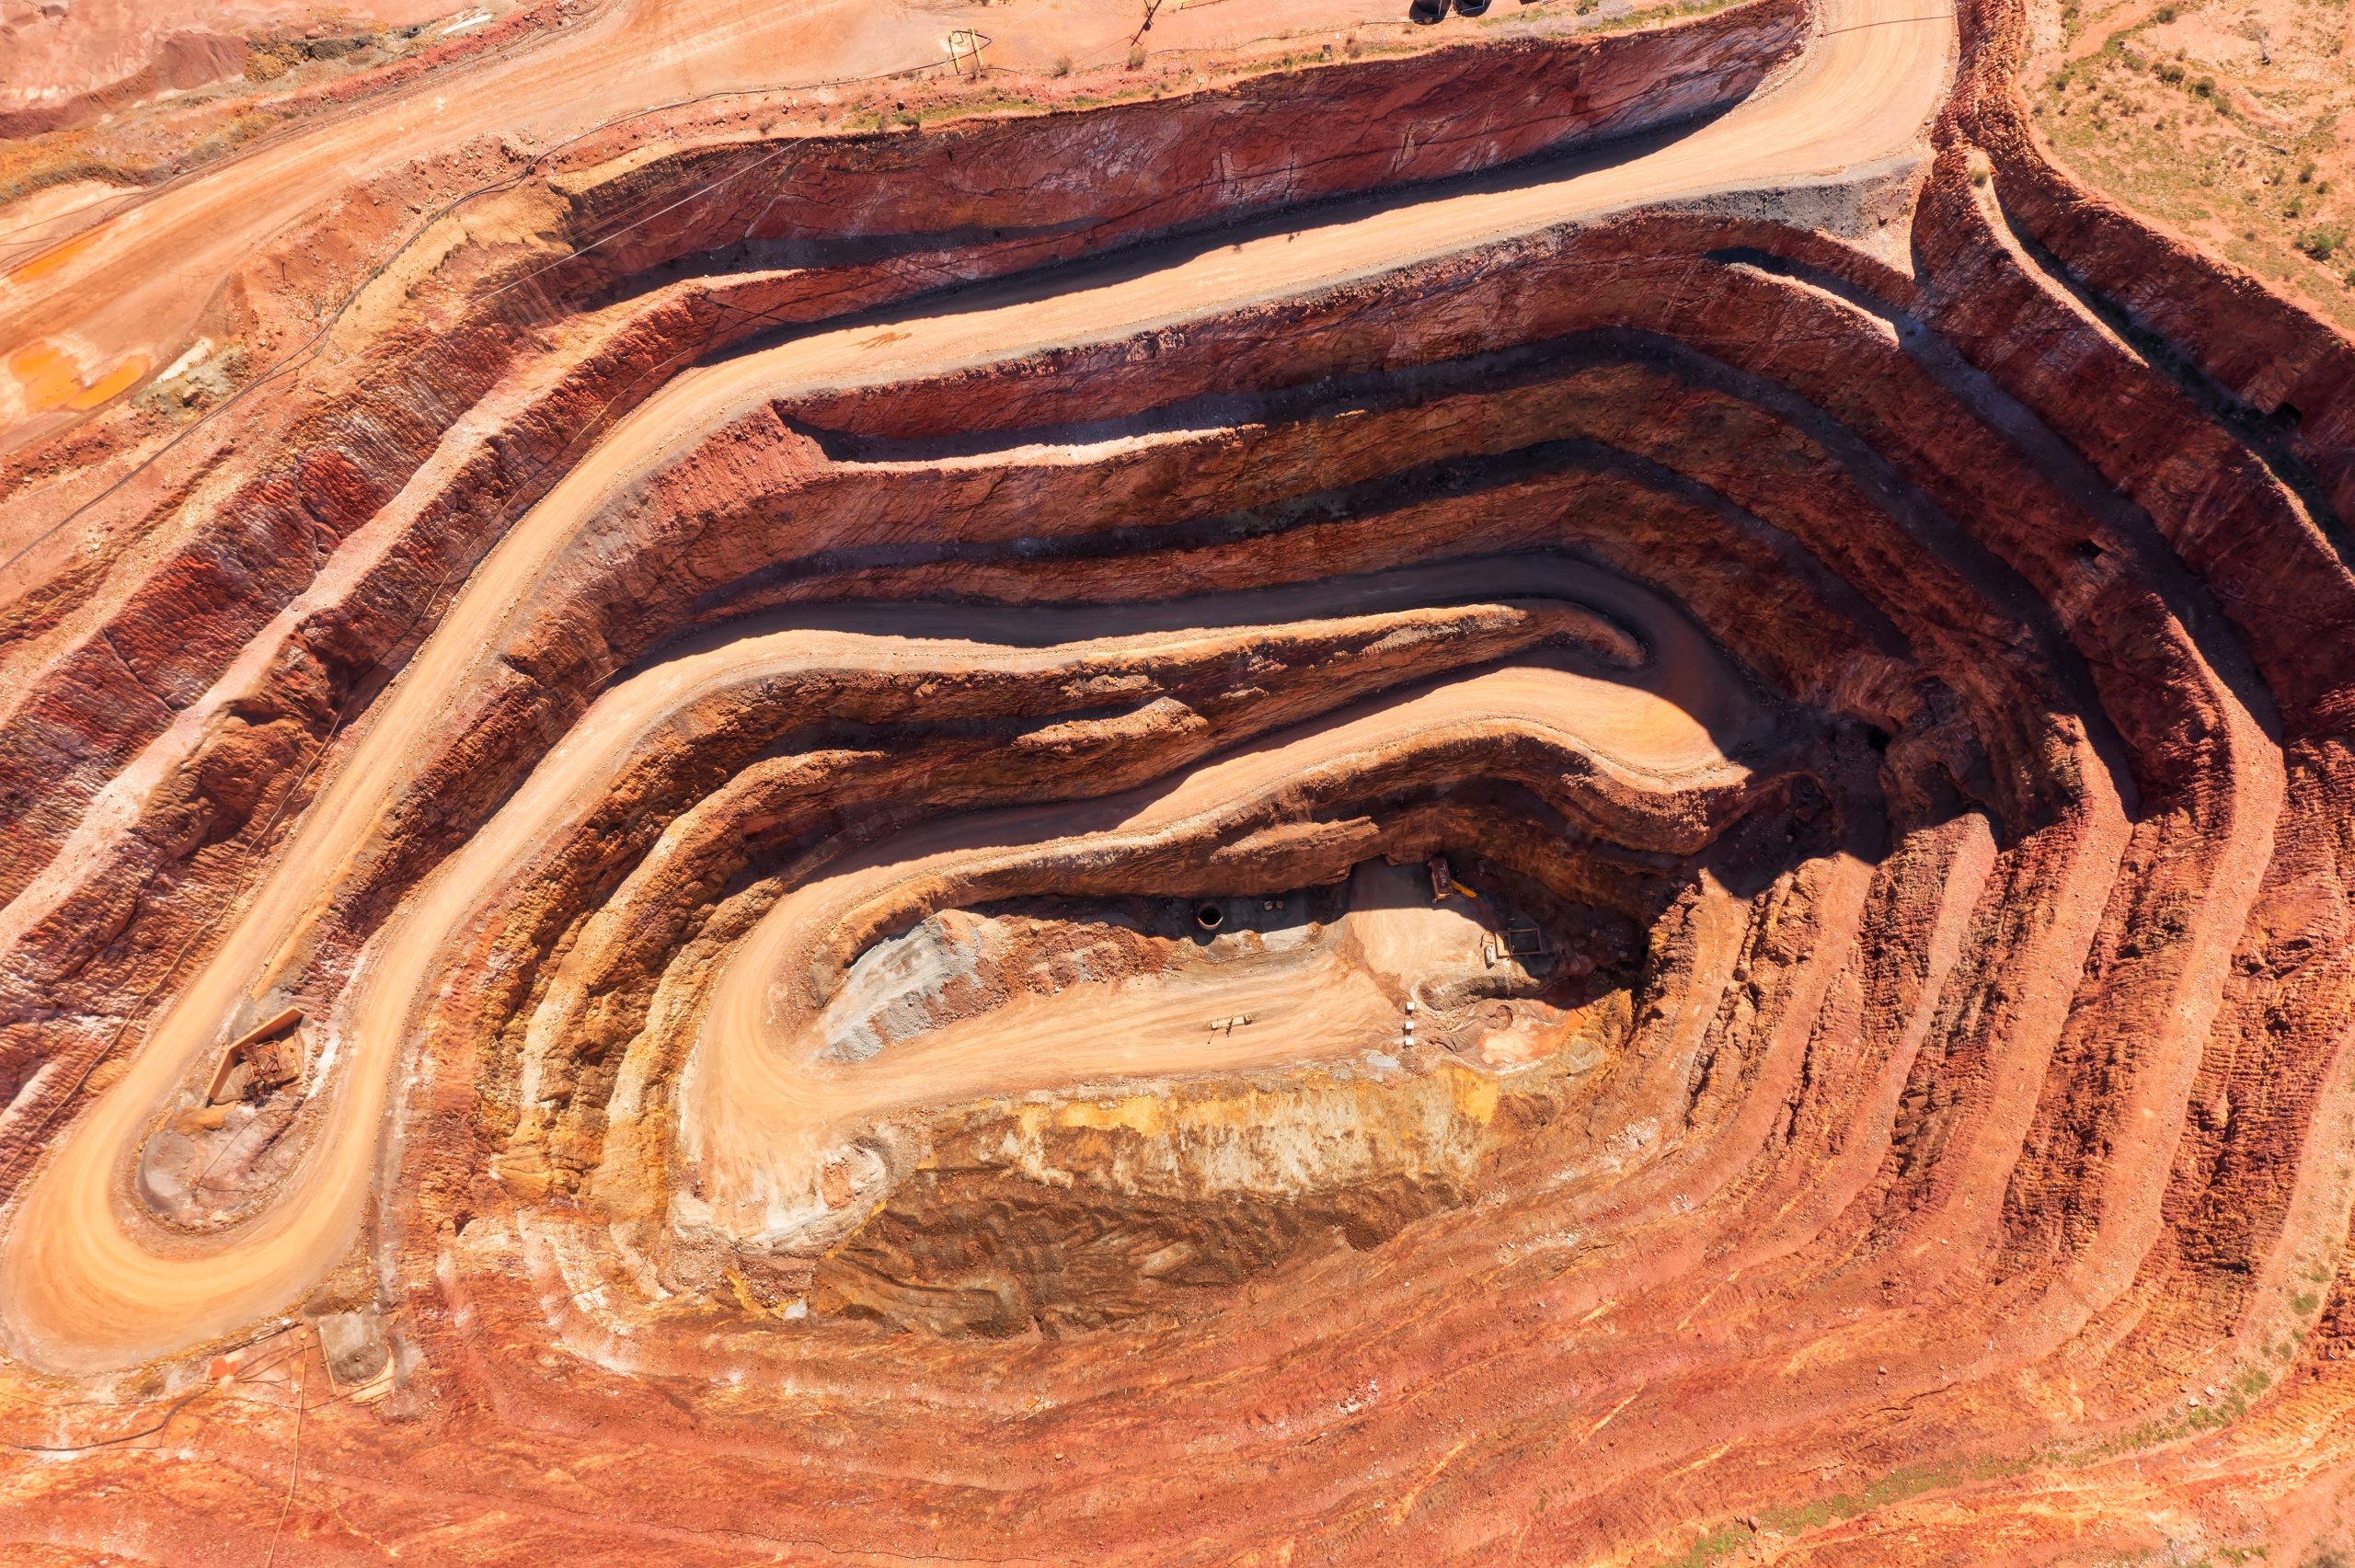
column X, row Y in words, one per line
column 1521, row 17
column 44, row 174
column 237, row 132
column 1653, row 18
column 270, row 62
column 1897, row 1486
column 1723, row 1542
column 2189, row 116
column 2323, row 241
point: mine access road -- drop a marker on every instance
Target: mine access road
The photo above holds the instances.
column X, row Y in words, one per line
column 88, row 1283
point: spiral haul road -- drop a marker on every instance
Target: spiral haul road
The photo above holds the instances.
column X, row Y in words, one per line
column 89, row 1284
column 1563, row 787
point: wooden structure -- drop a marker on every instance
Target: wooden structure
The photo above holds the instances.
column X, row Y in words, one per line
column 1524, row 940
column 271, row 1054
column 965, row 46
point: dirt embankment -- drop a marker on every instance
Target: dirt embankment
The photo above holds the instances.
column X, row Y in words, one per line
column 2282, row 376
column 79, row 64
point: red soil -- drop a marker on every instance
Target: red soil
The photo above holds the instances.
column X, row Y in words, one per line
column 1939, row 1156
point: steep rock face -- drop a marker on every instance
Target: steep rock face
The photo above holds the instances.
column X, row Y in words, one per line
column 348, row 501
column 1861, row 1037
column 2277, row 376
column 547, row 305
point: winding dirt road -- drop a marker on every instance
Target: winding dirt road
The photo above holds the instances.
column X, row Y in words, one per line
column 762, row 1100
column 90, row 316
column 88, row 1283
column 95, row 302
column 122, row 296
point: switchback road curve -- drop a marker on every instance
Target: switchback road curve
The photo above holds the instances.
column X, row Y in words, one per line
column 89, row 1284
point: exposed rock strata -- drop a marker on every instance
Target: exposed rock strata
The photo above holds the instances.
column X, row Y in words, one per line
column 1960, row 1102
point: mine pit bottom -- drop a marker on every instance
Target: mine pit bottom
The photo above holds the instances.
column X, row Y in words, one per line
column 1398, row 960
column 1316, row 1069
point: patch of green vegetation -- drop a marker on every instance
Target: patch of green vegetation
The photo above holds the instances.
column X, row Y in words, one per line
column 68, row 171
column 2146, row 126
column 1725, row 1538
column 243, row 129
column 1897, row 1486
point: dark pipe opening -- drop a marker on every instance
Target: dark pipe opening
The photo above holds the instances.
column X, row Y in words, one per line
column 1208, row 917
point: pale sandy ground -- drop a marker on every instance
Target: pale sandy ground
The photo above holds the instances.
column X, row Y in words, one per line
column 53, row 55
column 30, row 220
column 86, row 1284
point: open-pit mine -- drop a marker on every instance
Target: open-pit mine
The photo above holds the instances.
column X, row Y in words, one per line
column 1159, row 783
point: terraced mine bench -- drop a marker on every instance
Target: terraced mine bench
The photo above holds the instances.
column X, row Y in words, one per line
column 1603, row 825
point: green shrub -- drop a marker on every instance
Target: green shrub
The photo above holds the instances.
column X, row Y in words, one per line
column 2323, row 241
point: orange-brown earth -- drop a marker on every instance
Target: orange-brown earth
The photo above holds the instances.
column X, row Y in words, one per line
column 2233, row 123
column 1116, row 835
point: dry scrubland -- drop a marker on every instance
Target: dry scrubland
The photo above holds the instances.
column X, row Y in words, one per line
column 1567, row 789
column 2231, row 124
